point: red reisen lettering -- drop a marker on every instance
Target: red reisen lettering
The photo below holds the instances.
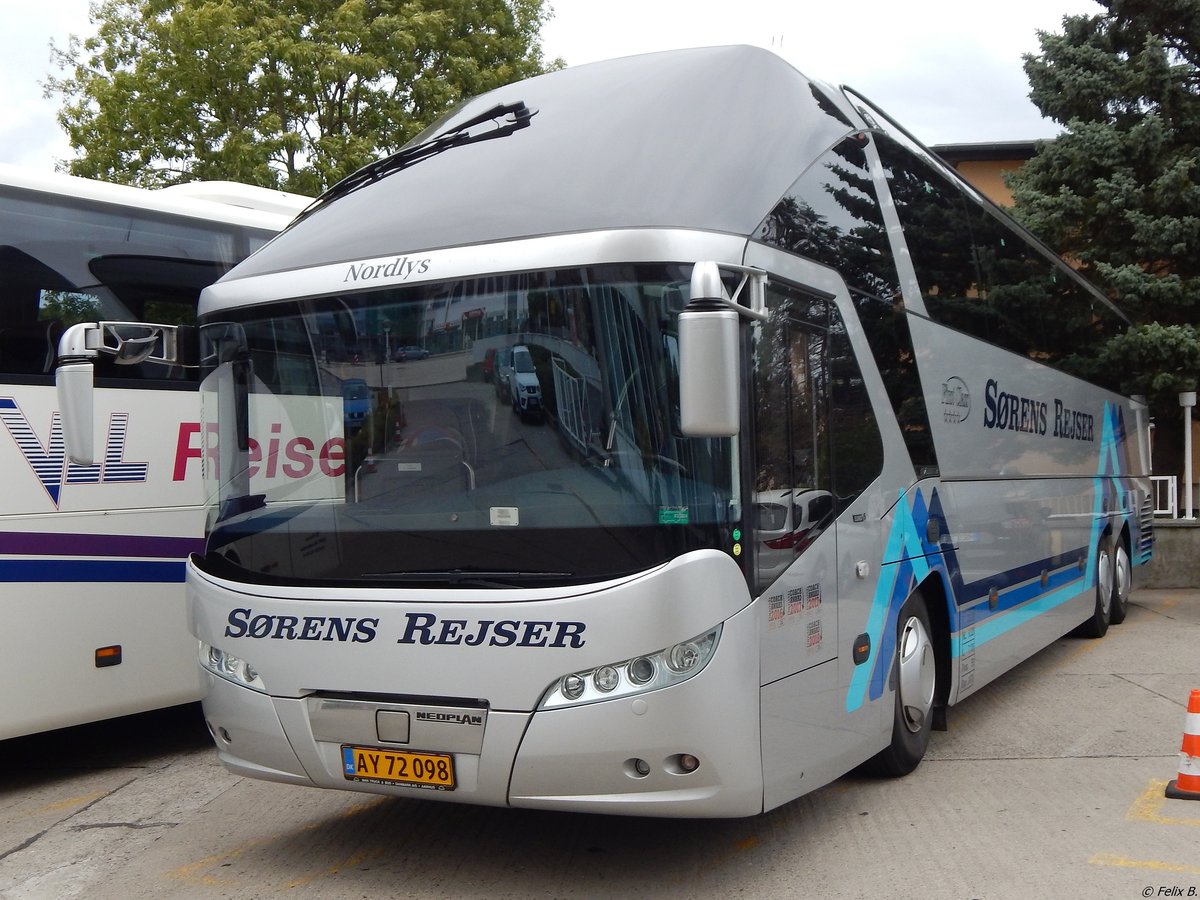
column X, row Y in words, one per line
column 184, row 449
column 300, row 454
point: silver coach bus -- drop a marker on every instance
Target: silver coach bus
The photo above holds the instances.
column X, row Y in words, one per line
column 821, row 448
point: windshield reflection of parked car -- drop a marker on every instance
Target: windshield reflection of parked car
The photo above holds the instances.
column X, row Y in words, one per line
column 357, row 402
column 787, row 522
column 400, row 354
column 524, row 389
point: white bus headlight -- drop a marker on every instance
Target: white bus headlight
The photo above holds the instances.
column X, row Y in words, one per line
column 231, row 668
column 647, row 672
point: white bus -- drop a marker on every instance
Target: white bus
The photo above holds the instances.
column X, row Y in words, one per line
column 822, row 448
column 92, row 557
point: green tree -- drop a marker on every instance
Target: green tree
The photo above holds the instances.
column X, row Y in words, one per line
column 290, row 94
column 1119, row 191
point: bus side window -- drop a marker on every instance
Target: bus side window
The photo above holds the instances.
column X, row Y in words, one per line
column 857, row 447
column 28, row 347
column 980, row 275
column 832, row 215
column 816, row 439
column 29, row 325
column 788, row 438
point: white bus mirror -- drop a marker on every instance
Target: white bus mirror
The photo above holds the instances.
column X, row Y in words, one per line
column 74, row 384
column 126, row 344
column 709, row 331
column 73, row 381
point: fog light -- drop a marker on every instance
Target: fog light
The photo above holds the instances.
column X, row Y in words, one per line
column 635, row 767
column 688, row 763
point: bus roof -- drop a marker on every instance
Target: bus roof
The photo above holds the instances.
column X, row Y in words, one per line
column 223, row 201
column 704, row 139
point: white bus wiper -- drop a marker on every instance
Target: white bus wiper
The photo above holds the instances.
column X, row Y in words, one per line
column 520, row 116
column 476, row 577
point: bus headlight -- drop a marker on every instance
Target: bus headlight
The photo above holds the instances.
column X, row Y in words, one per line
column 231, row 668
column 647, row 672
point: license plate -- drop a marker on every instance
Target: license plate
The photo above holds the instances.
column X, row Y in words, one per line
column 434, row 771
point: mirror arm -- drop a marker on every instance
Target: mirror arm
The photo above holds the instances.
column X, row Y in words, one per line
column 707, row 288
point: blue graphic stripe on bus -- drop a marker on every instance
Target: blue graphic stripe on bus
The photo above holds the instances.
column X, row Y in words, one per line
column 996, row 625
column 1054, row 567
column 1022, row 603
column 93, row 570
column 1070, row 578
column 1021, row 594
column 122, row 546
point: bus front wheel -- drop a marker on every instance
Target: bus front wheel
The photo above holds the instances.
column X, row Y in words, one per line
column 916, row 689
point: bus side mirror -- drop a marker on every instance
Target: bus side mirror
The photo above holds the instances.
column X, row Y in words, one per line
column 126, row 344
column 74, row 383
column 709, row 332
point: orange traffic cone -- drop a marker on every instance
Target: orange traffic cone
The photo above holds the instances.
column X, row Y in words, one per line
column 1187, row 785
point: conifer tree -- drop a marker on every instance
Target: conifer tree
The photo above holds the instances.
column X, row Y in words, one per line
column 1118, row 192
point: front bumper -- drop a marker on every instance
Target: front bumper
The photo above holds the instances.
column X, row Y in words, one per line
column 582, row 758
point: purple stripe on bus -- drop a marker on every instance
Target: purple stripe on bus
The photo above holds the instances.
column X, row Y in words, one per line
column 123, row 545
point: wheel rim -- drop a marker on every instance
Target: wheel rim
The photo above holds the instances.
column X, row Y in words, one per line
column 1104, row 581
column 917, row 674
column 1123, row 575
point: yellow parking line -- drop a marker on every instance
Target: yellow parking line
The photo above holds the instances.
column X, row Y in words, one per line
column 1111, row 859
column 1148, row 807
column 70, row 802
column 199, row 871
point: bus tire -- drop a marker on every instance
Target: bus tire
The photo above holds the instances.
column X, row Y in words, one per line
column 1096, row 625
column 915, row 669
column 1122, row 582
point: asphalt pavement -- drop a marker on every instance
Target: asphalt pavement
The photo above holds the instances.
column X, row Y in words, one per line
column 1049, row 783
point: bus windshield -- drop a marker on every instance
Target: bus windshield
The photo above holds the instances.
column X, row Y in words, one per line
column 564, row 466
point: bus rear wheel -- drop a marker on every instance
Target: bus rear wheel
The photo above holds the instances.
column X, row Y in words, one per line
column 916, row 691
column 1122, row 582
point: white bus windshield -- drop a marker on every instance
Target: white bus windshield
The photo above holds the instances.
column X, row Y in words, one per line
column 563, row 464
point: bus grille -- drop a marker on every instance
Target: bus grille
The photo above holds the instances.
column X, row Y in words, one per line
column 1146, row 527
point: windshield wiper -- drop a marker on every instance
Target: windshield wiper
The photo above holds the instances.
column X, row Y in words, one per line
column 456, row 137
column 473, row 577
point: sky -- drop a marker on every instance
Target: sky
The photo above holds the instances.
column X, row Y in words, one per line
column 949, row 71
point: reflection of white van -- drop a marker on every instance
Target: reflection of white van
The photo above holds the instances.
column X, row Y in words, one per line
column 524, row 389
column 787, row 521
